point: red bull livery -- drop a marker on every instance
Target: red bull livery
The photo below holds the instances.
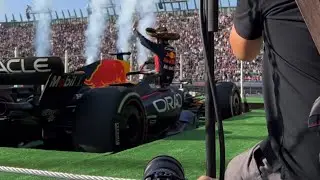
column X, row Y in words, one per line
column 108, row 72
column 95, row 108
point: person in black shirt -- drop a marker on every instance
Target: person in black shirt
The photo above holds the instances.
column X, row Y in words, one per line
column 165, row 54
column 291, row 84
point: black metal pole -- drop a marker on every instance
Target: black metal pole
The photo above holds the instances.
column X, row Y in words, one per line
column 209, row 126
column 210, row 133
column 209, row 26
column 210, row 119
column 213, row 20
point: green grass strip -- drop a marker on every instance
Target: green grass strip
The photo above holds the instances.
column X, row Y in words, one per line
column 241, row 133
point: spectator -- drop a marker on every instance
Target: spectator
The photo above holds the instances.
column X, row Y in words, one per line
column 28, row 11
column 69, row 36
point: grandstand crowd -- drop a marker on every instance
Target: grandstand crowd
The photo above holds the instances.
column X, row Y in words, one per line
column 69, row 35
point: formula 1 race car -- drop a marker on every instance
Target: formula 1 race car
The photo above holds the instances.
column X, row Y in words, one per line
column 229, row 99
column 93, row 109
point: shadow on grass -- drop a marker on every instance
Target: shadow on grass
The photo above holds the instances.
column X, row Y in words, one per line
column 114, row 163
column 256, row 113
column 254, row 116
column 254, row 122
column 237, row 118
column 235, row 137
column 199, row 135
column 193, row 135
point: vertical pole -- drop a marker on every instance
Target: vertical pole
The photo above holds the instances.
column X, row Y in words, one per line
column 241, row 79
column 65, row 61
column 181, row 70
column 131, row 67
column 15, row 55
column 209, row 25
column 16, row 52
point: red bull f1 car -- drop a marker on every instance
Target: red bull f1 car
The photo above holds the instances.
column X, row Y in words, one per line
column 93, row 109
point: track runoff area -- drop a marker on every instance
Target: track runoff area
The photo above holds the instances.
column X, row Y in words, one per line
column 241, row 133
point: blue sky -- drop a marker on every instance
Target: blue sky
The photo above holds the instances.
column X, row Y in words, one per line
column 15, row 7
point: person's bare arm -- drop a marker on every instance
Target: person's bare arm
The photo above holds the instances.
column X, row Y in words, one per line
column 246, row 33
column 242, row 48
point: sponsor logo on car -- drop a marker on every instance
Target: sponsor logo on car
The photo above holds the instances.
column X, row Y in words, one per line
column 117, row 133
column 19, row 66
column 70, row 80
column 168, row 103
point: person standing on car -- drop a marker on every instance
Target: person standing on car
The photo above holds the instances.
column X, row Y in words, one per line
column 165, row 54
column 291, row 84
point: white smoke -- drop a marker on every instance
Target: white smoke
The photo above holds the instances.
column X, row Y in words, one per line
column 43, row 27
column 146, row 10
column 95, row 30
column 124, row 23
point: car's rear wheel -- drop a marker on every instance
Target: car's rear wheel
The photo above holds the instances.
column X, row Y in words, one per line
column 108, row 120
column 131, row 126
column 235, row 102
column 229, row 99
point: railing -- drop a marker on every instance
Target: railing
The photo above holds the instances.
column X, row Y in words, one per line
column 249, row 88
column 112, row 9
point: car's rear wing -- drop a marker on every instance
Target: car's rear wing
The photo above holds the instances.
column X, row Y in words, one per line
column 120, row 55
column 29, row 70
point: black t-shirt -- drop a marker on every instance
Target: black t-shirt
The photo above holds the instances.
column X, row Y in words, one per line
column 291, row 81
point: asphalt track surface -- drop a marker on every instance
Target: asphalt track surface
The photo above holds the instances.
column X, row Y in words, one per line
column 241, row 133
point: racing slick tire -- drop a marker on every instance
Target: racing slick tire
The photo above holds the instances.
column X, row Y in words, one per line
column 229, row 99
column 109, row 119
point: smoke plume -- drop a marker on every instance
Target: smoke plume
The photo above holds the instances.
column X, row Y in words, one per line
column 124, row 24
column 95, row 30
column 146, row 9
column 43, row 27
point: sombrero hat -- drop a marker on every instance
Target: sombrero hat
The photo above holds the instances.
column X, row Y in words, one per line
column 162, row 33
